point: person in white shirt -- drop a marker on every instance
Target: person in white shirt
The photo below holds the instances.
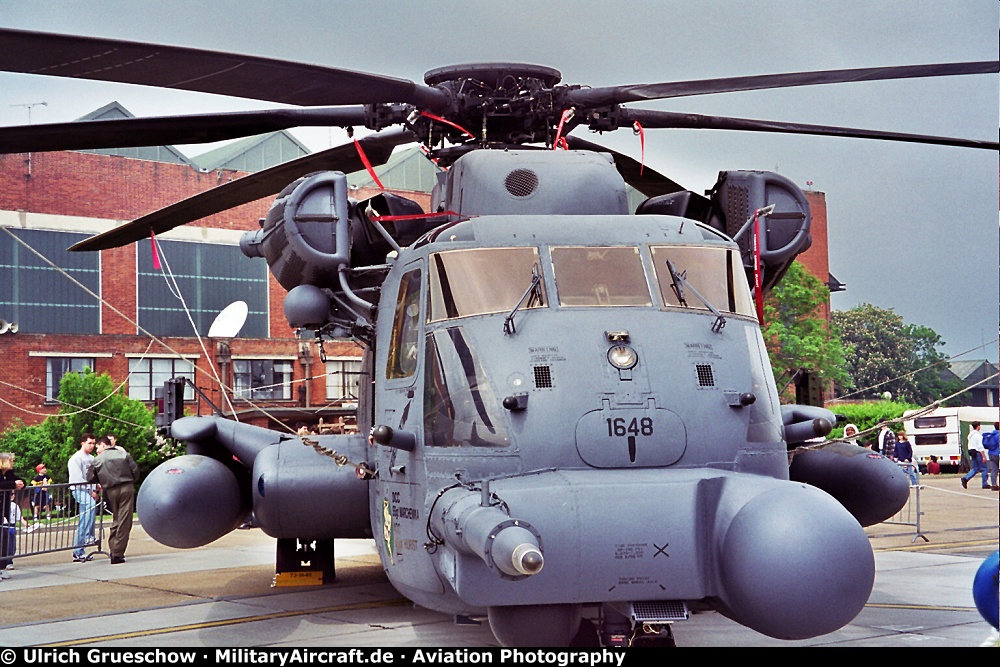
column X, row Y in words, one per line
column 85, row 494
column 976, row 458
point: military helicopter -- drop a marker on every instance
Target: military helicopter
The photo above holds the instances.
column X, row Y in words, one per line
column 573, row 428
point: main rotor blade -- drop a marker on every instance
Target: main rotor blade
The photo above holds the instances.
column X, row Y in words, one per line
column 639, row 176
column 204, row 71
column 668, row 119
column 169, row 130
column 377, row 147
column 591, row 97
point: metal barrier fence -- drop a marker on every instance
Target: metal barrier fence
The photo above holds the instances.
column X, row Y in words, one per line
column 910, row 514
column 46, row 519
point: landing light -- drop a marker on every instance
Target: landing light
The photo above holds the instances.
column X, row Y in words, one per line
column 622, row 357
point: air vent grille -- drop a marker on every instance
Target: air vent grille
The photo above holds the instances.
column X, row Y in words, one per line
column 521, row 182
column 705, row 376
column 655, row 611
column 543, row 377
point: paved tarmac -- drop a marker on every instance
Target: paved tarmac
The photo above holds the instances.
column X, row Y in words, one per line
column 222, row 595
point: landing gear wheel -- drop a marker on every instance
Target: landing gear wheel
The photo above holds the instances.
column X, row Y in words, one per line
column 662, row 636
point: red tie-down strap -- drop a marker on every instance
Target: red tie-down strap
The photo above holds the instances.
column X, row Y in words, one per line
column 560, row 140
column 415, row 216
column 439, row 119
column 637, row 129
column 368, row 164
column 427, row 154
column 758, row 281
column 156, row 256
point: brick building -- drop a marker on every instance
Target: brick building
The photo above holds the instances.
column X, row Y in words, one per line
column 50, row 201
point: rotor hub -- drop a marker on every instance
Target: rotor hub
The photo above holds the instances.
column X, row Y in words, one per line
column 507, row 103
column 493, row 75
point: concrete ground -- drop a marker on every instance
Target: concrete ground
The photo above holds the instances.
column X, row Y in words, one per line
column 221, row 595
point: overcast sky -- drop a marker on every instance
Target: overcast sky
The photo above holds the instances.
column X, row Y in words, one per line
column 912, row 228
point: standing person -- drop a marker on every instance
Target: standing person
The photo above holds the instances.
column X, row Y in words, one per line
column 887, row 442
column 116, row 472
column 9, row 483
column 40, row 496
column 975, row 456
column 904, row 455
column 85, row 495
column 851, row 433
column 991, row 443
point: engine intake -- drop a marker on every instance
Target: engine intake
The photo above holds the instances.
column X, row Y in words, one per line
column 329, row 251
column 732, row 201
column 304, row 237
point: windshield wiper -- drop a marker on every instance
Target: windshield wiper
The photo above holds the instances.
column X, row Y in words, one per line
column 679, row 282
column 534, row 291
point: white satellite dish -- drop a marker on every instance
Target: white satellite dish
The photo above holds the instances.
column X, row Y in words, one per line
column 229, row 322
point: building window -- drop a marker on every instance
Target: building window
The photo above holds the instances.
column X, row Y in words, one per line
column 56, row 367
column 209, row 277
column 262, row 379
column 342, row 379
column 147, row 375
column 36, row 295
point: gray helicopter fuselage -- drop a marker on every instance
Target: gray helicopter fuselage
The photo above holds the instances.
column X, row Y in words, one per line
column 571, row 407
column 675, row 426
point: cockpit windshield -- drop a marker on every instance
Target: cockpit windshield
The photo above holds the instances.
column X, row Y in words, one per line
column 716, row 274
column 600, row 276
column 480, row 281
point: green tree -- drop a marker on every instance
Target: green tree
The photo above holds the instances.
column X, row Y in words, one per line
column 797, row 336
column 90, row 403
column 885, row 354
column 867, row 415
column 30, row 446
column 929, row 384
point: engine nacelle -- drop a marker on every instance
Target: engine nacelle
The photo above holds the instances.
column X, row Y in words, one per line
column 189, row 501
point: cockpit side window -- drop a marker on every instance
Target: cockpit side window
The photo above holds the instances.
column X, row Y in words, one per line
column 480, row 281
column 715, row 273
column 404, row 346
column 600, row 276
column 461, row 408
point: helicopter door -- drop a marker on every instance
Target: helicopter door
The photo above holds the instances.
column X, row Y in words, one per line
column 397, row 512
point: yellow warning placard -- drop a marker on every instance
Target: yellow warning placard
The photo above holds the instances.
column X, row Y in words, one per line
column 313, row 578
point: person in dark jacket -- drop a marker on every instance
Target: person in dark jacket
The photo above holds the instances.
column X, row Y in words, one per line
column 904, row 455
column 10, row 483
column 991, row 445
column 116, row 473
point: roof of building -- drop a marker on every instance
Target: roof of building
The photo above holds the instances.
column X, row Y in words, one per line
column 973, row 370
column 253, row 153
column 406, row 169
column 113, row 111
